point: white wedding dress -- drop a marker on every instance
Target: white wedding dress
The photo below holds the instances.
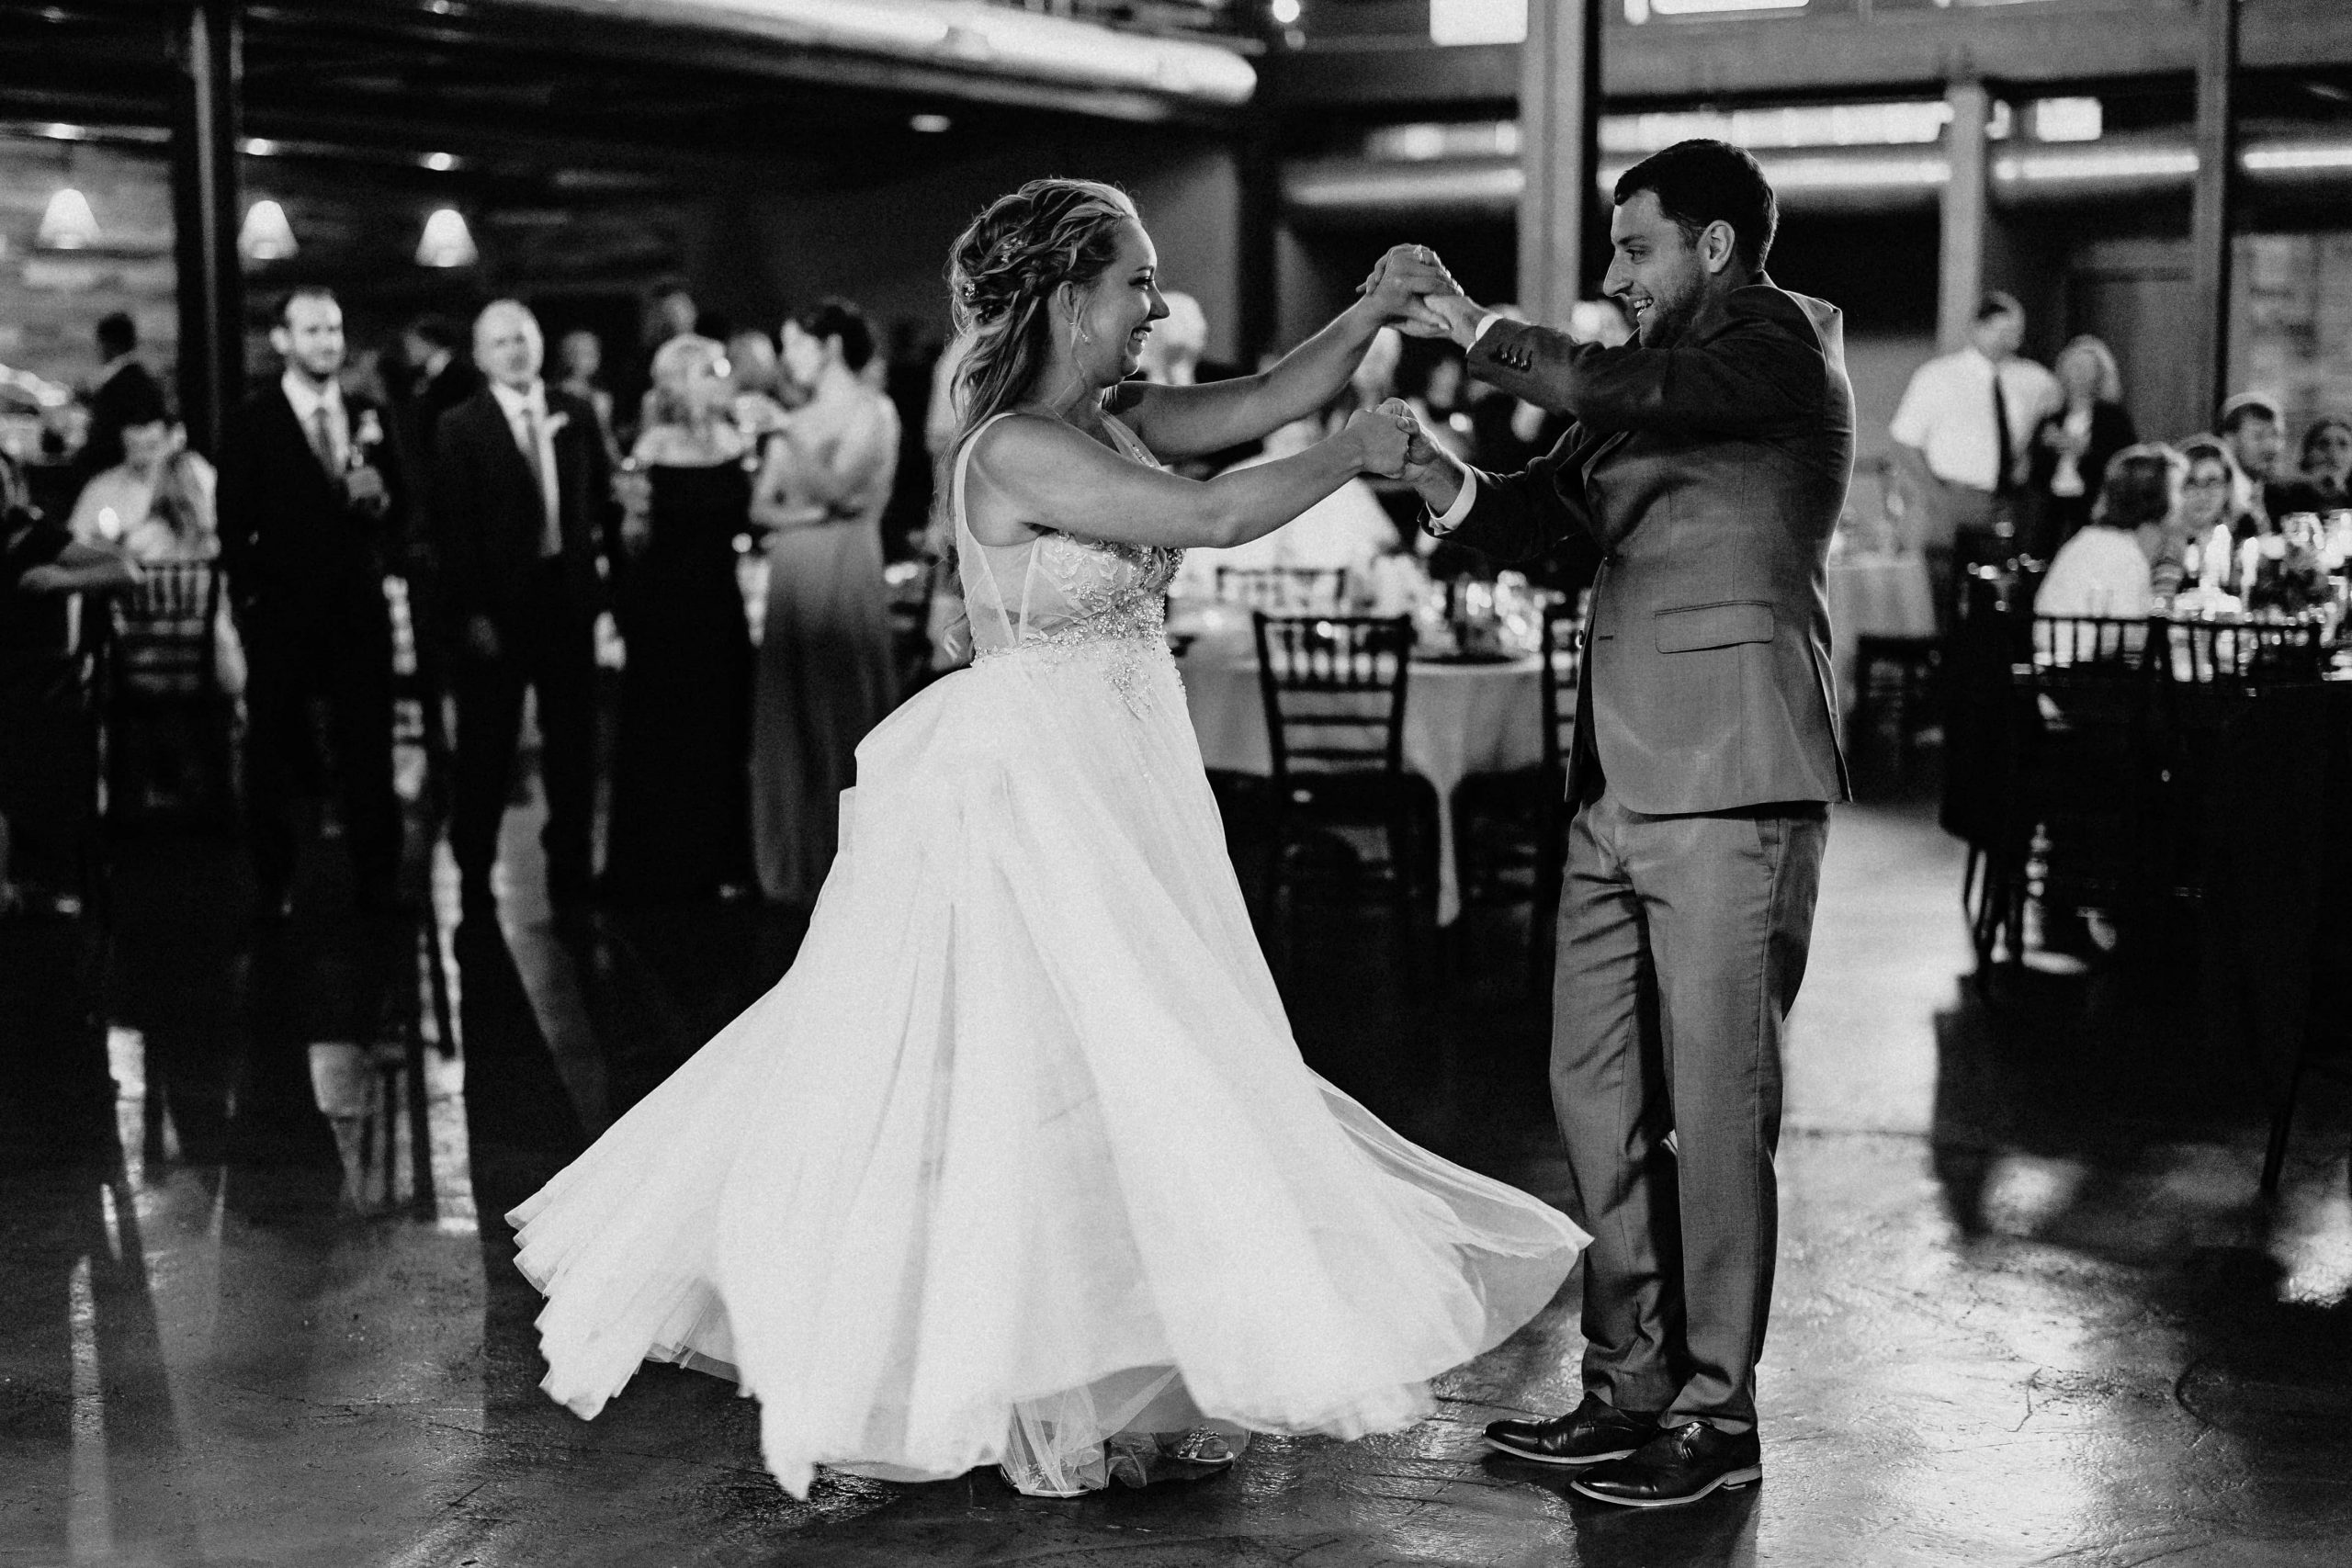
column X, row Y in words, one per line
column 1020, row 1158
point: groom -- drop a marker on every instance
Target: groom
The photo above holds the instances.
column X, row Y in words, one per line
column 1705, row 469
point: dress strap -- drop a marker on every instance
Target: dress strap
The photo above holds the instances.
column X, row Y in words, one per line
column 967, row 544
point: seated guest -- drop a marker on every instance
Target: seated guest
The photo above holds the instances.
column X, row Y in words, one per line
column 2105, row 570
column 2208, row 481
column 2327, row 459
column 2251, row 428
column 46, row 751
column 157, row 504
column 2076, row 441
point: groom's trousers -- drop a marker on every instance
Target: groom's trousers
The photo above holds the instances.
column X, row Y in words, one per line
column 1682, row 940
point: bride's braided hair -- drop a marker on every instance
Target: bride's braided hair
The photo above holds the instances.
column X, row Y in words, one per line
column 1002, row 275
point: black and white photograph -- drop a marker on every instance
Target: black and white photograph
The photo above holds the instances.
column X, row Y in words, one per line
column 1175, row 783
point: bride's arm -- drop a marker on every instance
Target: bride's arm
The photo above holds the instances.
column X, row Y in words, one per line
column 1047, row 475
column 1190, row 422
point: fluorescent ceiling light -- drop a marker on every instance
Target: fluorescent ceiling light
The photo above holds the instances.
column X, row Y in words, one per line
column 1478, row 21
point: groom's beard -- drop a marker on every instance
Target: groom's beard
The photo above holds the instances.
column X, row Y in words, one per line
column 1665, row 322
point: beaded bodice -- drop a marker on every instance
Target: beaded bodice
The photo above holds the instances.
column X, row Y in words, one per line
column 1062, row 591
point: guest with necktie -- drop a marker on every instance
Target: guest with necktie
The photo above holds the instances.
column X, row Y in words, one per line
column 1963, row 442
column 522, row 517
column 313, row 514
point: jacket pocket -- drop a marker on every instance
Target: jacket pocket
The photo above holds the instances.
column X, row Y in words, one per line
column 1694, row 626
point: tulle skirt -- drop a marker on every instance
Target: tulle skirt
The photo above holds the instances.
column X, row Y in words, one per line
column 1020, row 1156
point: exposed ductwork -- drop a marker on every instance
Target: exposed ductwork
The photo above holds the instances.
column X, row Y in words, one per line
column 1340, row 191
column 962, row 35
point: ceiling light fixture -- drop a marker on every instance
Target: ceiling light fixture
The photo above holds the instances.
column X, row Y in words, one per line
column 929, row 124
column 446, row 242
column 266, row 236
column 439, row 162
column 67, row 223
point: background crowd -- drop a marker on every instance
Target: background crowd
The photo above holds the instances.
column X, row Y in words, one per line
column 1998, row 456
column 748, row 542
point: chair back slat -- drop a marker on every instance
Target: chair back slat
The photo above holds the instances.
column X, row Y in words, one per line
column 1562, row 653
column 1333, row 688
column 2245, row 653
column 1284, row 590
column 164, row 631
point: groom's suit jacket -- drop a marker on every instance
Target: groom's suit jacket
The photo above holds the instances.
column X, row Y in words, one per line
column 1708, row 477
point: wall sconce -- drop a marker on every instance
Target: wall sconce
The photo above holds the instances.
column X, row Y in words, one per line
column 446, row 242
column 266, row 236
column 67, row 223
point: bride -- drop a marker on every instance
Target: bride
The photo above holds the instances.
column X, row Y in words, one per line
column 1019, row 1164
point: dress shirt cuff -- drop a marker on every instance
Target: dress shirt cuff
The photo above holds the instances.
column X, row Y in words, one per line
column 1451, row 518
column 1488, row 320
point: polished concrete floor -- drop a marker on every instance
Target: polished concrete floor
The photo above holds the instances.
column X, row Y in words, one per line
column 255, row 1307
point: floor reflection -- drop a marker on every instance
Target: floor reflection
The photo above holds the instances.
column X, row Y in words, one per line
column 257, row 1301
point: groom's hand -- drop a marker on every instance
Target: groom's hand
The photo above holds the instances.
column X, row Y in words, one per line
column 1406, row 275
column 1446, row 314
column 1428, row 467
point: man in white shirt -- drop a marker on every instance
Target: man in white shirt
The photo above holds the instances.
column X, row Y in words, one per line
column 1963, row 438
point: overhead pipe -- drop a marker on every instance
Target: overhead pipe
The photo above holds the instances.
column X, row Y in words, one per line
column 961, row 35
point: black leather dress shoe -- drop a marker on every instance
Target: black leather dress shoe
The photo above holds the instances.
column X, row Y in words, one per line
column 1593, row 1431
column 1680, row 1465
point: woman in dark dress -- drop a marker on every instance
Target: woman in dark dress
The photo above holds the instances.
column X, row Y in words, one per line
column 679, row 813
column 2075, row 443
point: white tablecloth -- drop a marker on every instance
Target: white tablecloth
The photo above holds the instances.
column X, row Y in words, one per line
column 1875, row 595
column 1459, row 719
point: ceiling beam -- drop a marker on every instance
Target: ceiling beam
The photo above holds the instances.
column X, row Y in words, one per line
column 1796, row 56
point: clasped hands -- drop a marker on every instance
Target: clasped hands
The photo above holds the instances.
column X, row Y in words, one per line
column 1413, row 292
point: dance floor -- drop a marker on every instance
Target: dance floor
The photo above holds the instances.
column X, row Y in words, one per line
column 256, row 1306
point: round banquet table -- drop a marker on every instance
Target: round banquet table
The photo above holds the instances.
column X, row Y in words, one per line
column 1459, row 719
column 1874, row 595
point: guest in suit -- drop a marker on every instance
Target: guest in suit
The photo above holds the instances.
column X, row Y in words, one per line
column 313, row 515
column 442, row 375
column 681, row 811
column 521, row 523
column 1705, row 469
column 124, row 386
column 2076, row 441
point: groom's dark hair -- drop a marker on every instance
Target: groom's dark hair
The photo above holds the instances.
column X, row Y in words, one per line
column 1703, row 181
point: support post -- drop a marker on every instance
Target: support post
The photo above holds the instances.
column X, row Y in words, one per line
column 206, row 211
column 1966, row 212
column 1253, row 285
column 1559, row 155
column 2211, row 203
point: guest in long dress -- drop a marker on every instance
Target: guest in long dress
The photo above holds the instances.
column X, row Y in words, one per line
column 580, row 357
column 824, row 672
column 2076, row 442
column 678, row 813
